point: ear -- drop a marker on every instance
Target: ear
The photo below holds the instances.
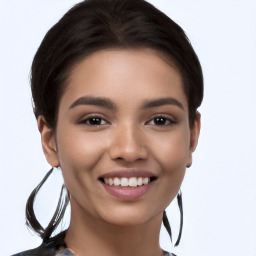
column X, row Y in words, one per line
column 48, row 141
column 194, row 135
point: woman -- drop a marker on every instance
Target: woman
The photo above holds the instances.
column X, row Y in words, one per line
column 116, row 86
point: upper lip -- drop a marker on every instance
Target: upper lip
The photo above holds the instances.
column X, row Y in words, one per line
column 128, row 174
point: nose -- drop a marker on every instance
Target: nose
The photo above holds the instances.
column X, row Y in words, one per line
column 128, row 144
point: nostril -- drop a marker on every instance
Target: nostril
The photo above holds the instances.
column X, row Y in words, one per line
column 127, row 148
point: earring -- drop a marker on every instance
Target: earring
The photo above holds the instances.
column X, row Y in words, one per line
column 167, row 224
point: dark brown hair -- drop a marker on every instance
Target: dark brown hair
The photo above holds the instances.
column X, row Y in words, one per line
column 93, row 25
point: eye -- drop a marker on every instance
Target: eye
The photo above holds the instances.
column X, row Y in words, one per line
column 160, row 121
column 94, row 121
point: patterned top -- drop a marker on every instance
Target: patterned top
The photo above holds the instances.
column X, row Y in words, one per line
column 56, row 247
column 69, row 252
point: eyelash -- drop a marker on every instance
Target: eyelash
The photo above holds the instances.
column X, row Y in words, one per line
column 166, row 121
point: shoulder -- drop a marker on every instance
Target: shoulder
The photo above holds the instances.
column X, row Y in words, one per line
column 44, row 250
column 48, row 248
column 39, row 251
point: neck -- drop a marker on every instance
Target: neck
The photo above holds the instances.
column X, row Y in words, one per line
column 88, row 235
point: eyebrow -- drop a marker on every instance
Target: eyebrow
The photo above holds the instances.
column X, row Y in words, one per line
column 109, row 104
column 162, row 102
column 96, row 101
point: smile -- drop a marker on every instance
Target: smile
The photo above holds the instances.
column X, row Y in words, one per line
column 127, row 182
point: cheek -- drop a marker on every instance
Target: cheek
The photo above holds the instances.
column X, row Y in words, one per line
column 172, row 154
column 173, row 150
column 78, row 151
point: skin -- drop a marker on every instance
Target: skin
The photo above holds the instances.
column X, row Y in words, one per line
column 127, row 137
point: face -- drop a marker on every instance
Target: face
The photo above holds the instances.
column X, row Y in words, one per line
column 122, row 119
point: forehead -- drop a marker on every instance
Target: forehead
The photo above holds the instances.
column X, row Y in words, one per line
column 125, row 74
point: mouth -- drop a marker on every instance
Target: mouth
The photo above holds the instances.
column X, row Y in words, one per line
column 132, row 182
column 128, row 184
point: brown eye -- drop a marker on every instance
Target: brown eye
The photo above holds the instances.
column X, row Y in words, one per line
column 94, row 121
column 160, row 121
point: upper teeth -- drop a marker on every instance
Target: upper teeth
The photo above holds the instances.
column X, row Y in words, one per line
column 125, row 182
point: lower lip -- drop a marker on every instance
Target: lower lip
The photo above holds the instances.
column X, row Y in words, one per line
column 128, row 193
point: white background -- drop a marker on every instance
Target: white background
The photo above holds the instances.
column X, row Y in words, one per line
column 219, row 190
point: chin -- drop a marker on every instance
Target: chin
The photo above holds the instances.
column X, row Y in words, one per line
column 125, row 222
column 129, row 218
